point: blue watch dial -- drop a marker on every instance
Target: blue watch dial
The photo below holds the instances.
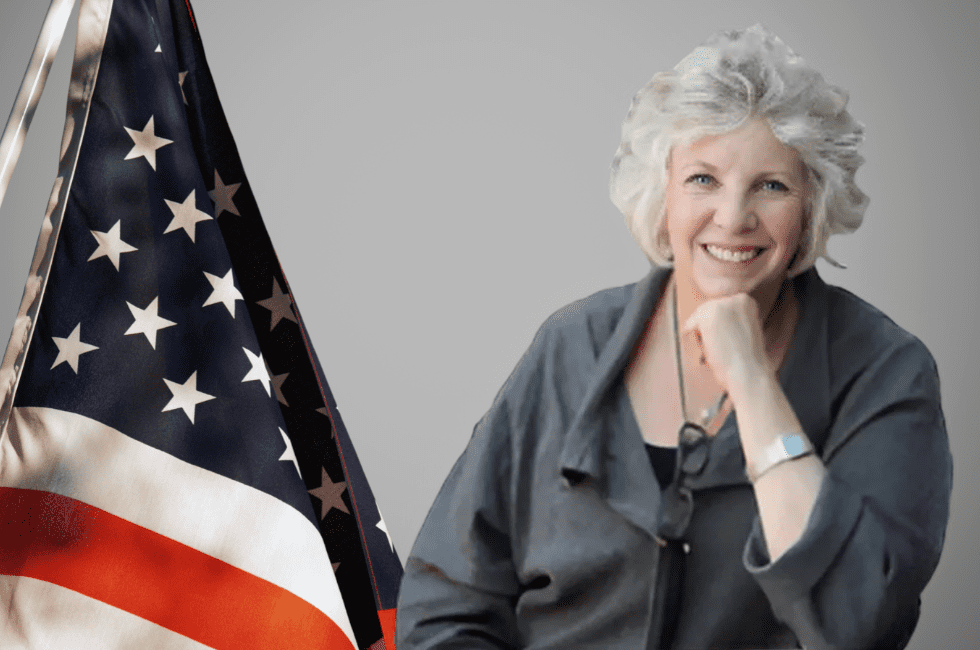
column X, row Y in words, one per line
column 793, row 444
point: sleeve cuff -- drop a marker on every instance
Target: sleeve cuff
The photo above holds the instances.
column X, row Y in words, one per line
column 793, row 574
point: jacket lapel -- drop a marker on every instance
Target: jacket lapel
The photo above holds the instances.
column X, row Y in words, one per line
column 596, row 448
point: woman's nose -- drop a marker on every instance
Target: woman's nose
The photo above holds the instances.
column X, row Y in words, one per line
column 735, row 214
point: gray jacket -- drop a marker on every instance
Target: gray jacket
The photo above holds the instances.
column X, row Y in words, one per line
column 543, row 535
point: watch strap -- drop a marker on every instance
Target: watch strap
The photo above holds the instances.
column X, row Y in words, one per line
column 788, row 446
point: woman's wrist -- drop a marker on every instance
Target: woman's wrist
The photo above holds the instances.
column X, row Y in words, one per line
column 750, row 381
column 762, row 410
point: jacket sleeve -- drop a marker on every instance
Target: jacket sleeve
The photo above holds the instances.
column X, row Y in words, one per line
column 459, row 588
column 874, row 537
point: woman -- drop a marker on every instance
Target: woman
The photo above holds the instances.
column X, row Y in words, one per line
column 729, row 453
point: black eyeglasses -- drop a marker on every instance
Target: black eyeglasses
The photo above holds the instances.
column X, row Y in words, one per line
column 678, row 500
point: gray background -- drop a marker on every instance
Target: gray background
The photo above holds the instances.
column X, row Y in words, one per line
column 434, row 174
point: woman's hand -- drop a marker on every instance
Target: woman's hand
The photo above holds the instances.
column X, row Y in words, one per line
column 729, row 333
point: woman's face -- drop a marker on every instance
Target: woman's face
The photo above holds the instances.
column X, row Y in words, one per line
column 735, row 207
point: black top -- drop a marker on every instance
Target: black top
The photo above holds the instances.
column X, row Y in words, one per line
column 662, row 460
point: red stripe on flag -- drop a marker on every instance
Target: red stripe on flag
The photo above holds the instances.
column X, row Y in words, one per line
column 77, row 546
column 387, row 618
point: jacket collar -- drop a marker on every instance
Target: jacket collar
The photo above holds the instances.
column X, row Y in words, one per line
column 593, row 447
column 582, row 450
column 593, row 444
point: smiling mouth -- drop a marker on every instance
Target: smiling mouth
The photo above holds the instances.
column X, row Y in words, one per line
column 744, row 254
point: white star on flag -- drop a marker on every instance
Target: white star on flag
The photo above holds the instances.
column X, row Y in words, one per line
column 145, row 144
column 180, row 81
column 258, row 372
column 185, row 396
column 289, row 454
column 279, row 304
column 186, row 215
column 111, row 245
column 384, row 528
column 221, row 195
column 159, row 50
column 147, row 321
column 69, row 349
column 224, row 292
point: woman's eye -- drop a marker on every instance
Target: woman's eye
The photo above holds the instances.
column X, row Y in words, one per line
column 700, row 179
column 774, row 186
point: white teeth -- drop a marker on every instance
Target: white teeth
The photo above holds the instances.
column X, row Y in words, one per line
column 732, row 256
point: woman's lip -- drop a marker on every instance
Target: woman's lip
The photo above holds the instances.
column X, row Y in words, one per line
column 734, row 249
column 752, row 253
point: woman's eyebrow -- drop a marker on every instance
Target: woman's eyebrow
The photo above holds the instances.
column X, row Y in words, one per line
column 776, row 171
column 700, row 164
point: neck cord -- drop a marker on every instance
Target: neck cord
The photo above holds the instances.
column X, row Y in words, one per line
column 712, row 411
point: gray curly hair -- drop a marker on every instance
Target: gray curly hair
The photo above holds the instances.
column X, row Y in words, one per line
column 735, row 76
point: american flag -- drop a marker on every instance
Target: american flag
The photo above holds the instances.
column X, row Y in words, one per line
column 174, row 472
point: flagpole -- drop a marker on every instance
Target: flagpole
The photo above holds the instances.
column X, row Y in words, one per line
column 29, row 94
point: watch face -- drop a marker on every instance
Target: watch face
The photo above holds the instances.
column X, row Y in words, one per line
column 793, row 445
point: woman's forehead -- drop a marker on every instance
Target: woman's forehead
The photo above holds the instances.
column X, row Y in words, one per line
column 750, row 145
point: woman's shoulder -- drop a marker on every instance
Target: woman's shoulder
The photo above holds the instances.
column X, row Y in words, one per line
column 596, row 316
column 858, row 365
column 565, row 351
column 857, row 326
column 868, row 353
column 598, row 312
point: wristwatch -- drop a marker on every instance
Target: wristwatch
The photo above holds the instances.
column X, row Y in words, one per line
column 788, row 446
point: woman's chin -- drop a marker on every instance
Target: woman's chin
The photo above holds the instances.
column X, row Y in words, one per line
column 710, row 283
column 711, row 290
column 713, row 285
column 759, row 288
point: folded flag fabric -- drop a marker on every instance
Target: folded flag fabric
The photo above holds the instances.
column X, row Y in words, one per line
column 174, row 472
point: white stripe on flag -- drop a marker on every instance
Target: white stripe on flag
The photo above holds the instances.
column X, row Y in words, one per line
column 77, row 457
column 43, row 616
